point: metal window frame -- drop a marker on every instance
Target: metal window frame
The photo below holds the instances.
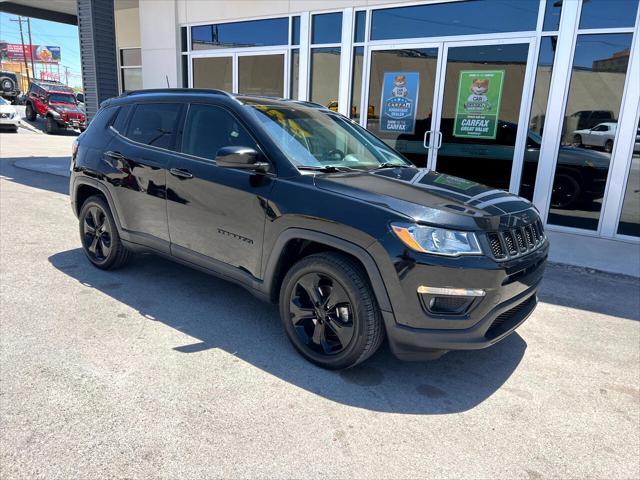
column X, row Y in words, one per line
column 621, row 156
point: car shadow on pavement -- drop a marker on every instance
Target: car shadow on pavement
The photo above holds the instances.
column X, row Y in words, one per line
column 31, row 178
column 225, row 316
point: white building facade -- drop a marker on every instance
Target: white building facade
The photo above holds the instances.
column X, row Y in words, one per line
column 562, row 78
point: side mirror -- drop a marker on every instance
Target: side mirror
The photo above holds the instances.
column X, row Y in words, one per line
column 241, row 157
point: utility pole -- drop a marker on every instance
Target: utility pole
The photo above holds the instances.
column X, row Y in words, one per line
column 66, row 75
column 33, row 68
column 24, row 53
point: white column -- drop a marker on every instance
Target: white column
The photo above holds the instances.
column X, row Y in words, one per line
column 159, row 43
column 555, row 106
column 346, row 53
column 305, row 36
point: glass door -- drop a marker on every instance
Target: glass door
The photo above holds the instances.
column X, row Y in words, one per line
column 481, row 130
column 402, row 82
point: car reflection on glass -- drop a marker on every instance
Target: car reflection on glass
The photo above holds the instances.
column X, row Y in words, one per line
column 602, row 136
column 580, row 177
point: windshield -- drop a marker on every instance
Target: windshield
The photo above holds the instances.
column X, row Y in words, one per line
column 3, row 101
column 319, row 139
column 61, row 98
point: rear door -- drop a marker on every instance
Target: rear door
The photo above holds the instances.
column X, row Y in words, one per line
column 138, row 159
column 216, row 214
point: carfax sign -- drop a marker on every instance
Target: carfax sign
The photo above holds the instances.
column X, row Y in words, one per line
column 478, row 103
column 399, row 102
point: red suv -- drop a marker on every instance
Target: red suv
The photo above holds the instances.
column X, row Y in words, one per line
column 57, row 104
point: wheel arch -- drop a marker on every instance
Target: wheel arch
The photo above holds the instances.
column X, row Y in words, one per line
column 296, row 243
column 84, row 188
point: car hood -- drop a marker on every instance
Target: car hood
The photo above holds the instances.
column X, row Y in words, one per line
column 66, row 108
column 433, row 198
column 7, row 109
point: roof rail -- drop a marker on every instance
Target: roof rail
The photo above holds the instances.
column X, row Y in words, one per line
column 128, row 93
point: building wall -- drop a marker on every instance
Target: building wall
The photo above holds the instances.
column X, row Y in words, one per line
column 127, row 25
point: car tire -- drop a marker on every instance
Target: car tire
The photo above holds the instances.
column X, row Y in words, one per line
column 608, row 146
column 99, row 235
column 50, row 126
column 577, row 141
column 329, row 311
column 566, row 191
column 30, row 113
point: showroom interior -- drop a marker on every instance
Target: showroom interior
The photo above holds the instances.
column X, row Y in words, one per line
column 563, row 77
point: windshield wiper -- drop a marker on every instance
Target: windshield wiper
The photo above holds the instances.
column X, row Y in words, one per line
column 326, row 168
column 390, row 165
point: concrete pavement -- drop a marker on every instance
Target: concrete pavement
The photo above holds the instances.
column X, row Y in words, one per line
column 157, row 370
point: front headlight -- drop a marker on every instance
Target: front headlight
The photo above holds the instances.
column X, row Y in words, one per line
column 437, row 241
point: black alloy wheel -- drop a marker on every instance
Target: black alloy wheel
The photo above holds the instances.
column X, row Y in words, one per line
column 329, row 311
column 99, row 235
column 321, row 313
column 566, row 191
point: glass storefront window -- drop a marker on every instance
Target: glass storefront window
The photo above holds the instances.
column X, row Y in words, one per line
column 477, row 146
column 326, row 28
column 131, row 79
column 537, row 115
column 358, row 34
column 256, row 33
column 295, row 31
column 213, row 72
column 589, row 130
column 552, row 11
column 630, row 216
column 470, row 17
column 261, row 75
column 608, row 13
column 424, row 62
column 356, row 82
column 131, row 57
column 295, row 73
column 325, row 74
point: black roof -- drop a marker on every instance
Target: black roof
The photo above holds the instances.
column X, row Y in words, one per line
column 240, row 97
column 52, row 85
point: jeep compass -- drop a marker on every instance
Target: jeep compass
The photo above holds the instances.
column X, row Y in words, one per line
column 307, row 209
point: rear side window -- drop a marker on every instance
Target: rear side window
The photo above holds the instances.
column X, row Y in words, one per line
column 103, row 117
column 155, row 124
column 209, row 128
column 120, row 123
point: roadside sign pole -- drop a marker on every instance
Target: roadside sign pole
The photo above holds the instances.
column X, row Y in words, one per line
column 33, row 68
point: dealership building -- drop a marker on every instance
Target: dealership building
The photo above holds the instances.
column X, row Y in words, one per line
column 538, row 97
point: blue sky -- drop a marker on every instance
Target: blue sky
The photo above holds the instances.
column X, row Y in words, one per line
column 44, row 32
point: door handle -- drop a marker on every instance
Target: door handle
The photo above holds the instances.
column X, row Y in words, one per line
column 425, row 140
column 180, row 173
column 439, row 133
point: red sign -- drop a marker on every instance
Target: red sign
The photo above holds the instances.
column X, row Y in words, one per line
column 13, row 52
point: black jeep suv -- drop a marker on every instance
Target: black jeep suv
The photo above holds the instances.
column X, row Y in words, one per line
column 303, row 207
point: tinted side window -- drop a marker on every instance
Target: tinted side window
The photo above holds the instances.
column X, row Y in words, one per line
column 155, row 124
column 210, row 128
column 103, row 117
column 120, row 122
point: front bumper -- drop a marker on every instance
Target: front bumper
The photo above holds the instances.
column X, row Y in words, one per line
column 10, row 122
column 415, row 333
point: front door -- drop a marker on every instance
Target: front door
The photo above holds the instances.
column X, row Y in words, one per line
column 216, row 215
column 455, row 107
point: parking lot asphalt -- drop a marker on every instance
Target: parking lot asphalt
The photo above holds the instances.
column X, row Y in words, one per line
column 157, row 370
